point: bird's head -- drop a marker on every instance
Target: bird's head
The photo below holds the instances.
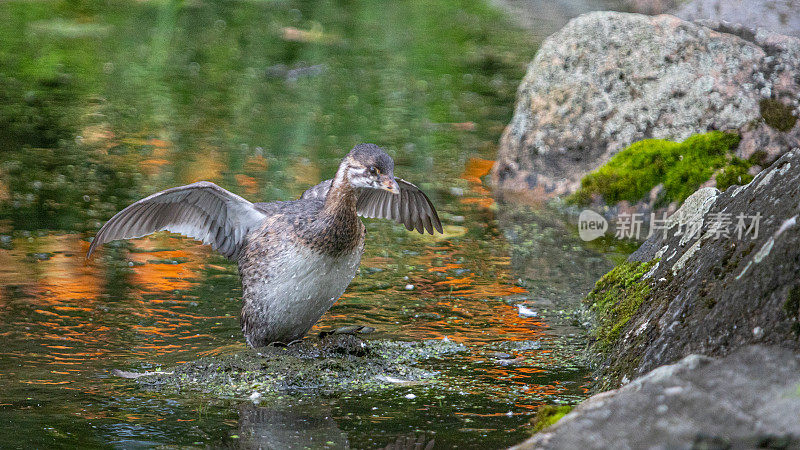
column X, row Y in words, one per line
column 368, row 166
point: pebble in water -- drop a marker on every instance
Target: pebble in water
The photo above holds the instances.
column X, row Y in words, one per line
column 525, row 311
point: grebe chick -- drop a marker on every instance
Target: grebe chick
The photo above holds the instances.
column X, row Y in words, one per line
column 295, row 257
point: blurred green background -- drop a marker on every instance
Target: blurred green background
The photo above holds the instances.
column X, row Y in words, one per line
column 104, row 102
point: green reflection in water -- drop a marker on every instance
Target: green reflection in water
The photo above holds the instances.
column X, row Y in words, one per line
column 192, row 89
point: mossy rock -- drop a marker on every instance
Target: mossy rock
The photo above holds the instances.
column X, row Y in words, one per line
column 548, row 415
column 682, row 168
column 616, row 297
column 735, row 173
column 777, row 115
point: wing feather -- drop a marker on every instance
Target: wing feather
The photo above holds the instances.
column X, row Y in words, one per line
column 203, row 211
column 411, row 207
column 417, row 214
column 425, row 214
column 405, row 211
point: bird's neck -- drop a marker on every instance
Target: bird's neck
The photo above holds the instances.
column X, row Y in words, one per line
column 339, row 229
column 341, row 199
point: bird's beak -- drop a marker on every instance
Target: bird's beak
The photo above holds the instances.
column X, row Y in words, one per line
column 389, row 184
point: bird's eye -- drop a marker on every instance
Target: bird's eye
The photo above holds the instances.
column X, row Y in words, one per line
column 373, row 171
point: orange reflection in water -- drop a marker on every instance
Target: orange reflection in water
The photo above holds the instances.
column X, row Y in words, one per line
column 457, row 283
column 158, row 159
column 58, row 305
column 57, row 276
column 160, row 270
column 62, row 311
column 475, row 169
column 459, row 292
column 163, row 265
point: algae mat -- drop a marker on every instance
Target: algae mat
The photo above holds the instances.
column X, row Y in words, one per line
column 317, row 366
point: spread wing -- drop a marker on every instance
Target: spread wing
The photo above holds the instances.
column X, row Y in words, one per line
column 203, row 211
column 411, row 206
column 318, row 191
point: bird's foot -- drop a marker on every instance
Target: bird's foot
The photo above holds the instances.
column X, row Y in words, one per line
column 348, row 329
column 277, row 344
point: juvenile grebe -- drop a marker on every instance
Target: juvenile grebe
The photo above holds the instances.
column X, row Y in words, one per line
column 295, row 257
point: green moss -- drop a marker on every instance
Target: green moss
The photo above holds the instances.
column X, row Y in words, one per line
column 758, row 158
column 615, row 299
column 581, row 196
column 681, row 167
column 777, row 115
column 792, row 304
column 735, row 173
column 548, row 415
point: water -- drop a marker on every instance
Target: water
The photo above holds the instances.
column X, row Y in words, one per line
column 104, row 103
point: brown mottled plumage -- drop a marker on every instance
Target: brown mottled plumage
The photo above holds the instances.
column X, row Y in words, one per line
column 296, row 257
